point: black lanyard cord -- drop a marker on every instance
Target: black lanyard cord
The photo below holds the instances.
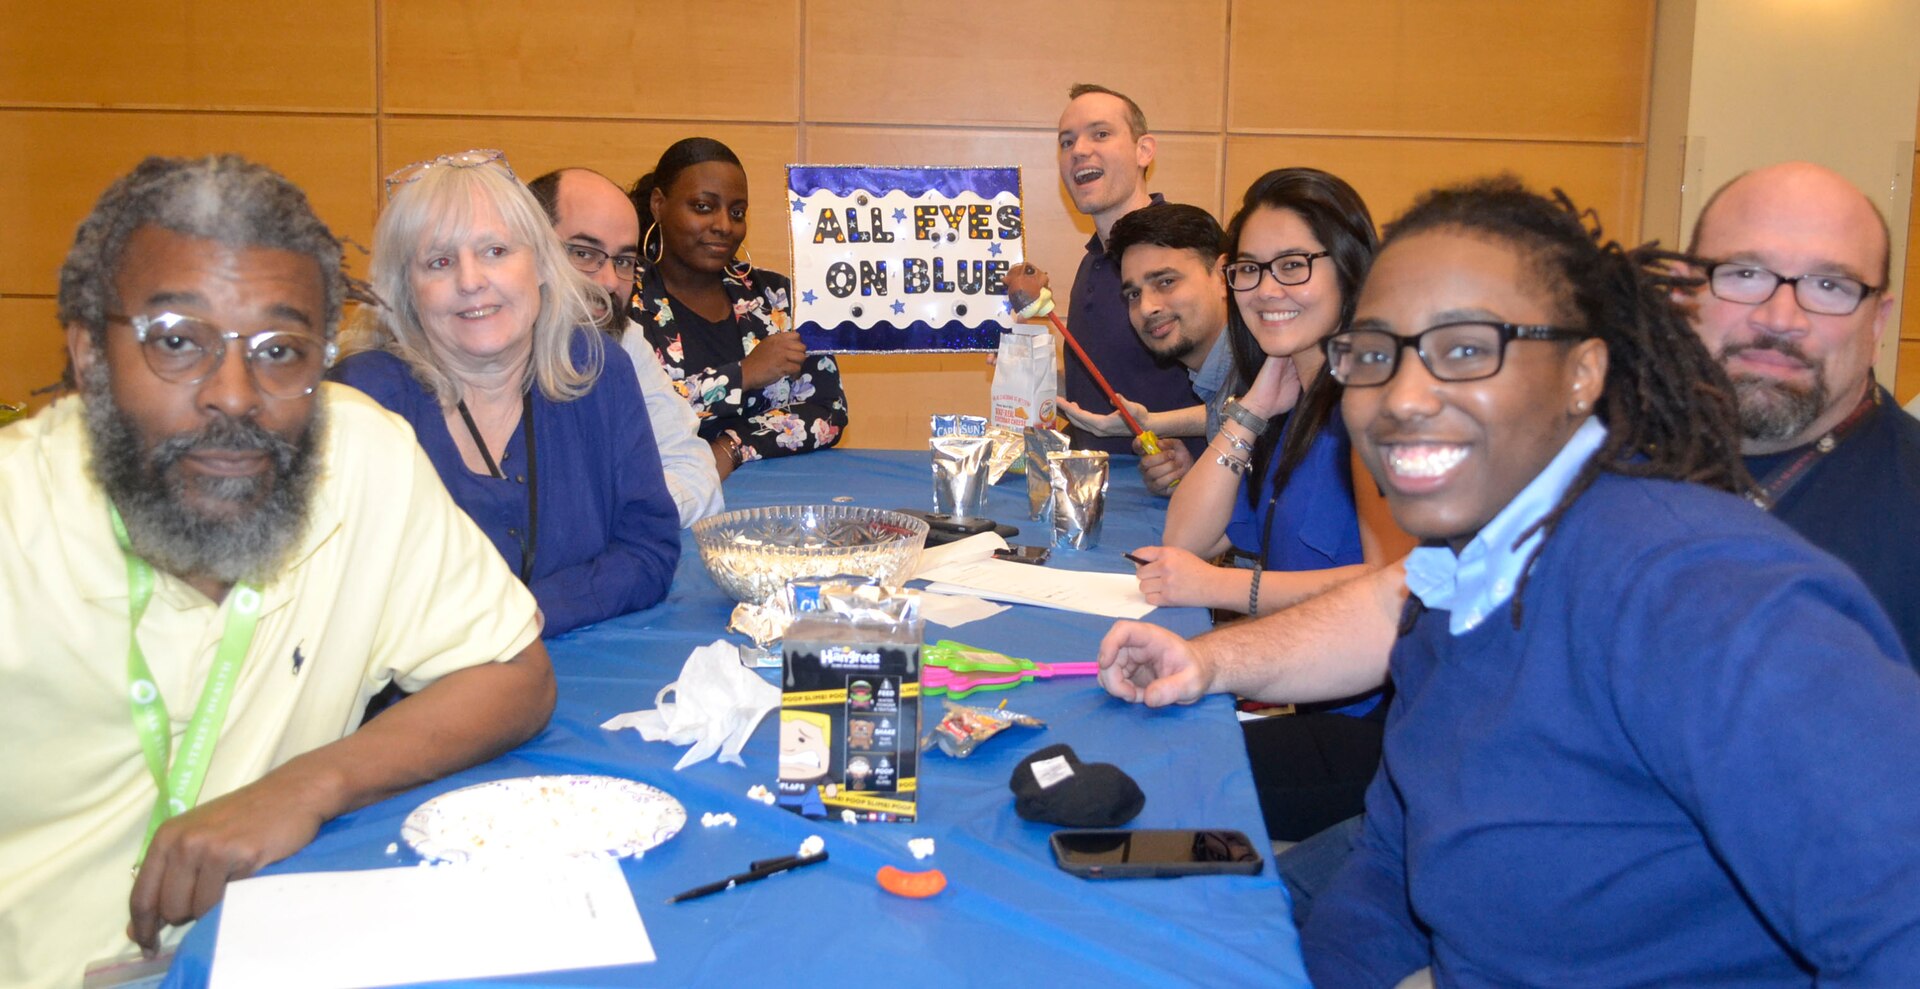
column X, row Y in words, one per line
column 531, row 541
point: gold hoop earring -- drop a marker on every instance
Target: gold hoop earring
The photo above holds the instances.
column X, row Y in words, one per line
column 660, row 245
column 741, row 269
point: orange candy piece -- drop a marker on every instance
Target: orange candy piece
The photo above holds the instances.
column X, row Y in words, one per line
column 912, row 885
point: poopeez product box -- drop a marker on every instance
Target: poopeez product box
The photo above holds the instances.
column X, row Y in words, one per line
column 850, row 702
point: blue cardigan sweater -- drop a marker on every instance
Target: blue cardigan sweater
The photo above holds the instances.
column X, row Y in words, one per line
column 609, row 535
column 1690, row 765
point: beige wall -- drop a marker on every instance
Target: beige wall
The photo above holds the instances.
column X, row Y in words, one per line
column 1831, row 81
column 1395, row 95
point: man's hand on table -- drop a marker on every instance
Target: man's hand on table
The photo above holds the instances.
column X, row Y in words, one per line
column 195, row 855
column 1162, row 470
column 1144, row 663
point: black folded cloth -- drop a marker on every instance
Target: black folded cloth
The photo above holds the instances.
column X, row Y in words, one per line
column 1052, row 786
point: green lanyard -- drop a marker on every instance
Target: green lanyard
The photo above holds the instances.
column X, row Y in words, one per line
column 180, row 785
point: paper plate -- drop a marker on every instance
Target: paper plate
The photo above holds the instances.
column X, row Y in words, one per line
column 544, row 816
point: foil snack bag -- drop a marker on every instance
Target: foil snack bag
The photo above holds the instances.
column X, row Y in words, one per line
column 1079, row 496
column 962, row 454
column 1040, row 442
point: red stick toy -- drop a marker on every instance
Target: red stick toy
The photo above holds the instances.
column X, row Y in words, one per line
column 1028, row 294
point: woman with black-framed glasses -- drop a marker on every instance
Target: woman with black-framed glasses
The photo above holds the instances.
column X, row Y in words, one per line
column 1275, row 485
column 1642, row 734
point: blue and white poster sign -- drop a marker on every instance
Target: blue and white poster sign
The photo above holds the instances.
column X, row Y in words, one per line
column 902, row 260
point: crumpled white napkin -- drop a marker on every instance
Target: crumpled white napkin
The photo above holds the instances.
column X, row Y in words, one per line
column 716, row 705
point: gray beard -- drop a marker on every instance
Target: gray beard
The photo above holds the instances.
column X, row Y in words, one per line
column 269, row 513
column 1770, row 410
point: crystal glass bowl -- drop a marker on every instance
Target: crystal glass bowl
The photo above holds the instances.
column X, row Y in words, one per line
column 753, row 552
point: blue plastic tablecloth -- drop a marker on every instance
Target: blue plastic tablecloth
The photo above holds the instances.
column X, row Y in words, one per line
column 1008, row 916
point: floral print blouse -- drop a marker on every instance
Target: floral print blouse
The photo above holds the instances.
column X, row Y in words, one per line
column 803, row 412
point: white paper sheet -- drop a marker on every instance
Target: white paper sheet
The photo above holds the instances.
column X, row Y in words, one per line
column 955, row 610
column 979, row 546
column 380, row 927
column 1115, row 595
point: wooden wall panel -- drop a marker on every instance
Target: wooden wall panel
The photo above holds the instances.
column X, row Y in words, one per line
column 1907, row 380
column 1907, row 366
column 1388, row 172
column 1186, row 170
column 188, row 53
column 1910, row 281
column 661, row 59
column 57, row 163
column 890, row 396
column 35, row 348
column 621, row 151
column 867, row 63
column 1394, row 94
column 1505, row 68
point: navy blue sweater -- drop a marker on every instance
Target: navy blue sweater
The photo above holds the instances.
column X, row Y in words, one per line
column 1690, row 765
column 609, row 534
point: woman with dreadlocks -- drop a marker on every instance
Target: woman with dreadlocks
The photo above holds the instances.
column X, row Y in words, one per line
column 1642, row 734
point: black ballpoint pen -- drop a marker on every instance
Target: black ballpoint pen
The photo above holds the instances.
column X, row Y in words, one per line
column 755, row 871
column 1136, row 561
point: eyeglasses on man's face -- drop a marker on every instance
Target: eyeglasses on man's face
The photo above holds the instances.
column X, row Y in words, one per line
column 1288, row 269
column 186, row 351
column 1750, row 284
column 1460, row 351
column 589, row 260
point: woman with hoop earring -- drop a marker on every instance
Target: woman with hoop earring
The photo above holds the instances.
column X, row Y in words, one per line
column 720, row 326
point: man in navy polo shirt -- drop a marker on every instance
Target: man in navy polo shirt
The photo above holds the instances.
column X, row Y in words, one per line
column 1104, row 150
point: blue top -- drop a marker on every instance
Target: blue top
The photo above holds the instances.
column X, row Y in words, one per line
column 1690, row 765
column 609, row 535
column 1862, row 504
column 1314, row 523
column 1098, row 319
column 1470, row 585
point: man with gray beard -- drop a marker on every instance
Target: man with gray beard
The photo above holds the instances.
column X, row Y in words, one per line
column 211, row 561
column 1796, row 265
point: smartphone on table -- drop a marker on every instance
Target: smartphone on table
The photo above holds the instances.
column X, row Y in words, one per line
column 1123, row 853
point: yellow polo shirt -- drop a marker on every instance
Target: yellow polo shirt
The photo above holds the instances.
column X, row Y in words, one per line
column 391, row 581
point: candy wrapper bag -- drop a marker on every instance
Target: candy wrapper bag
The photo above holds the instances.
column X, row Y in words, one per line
column 964, row 728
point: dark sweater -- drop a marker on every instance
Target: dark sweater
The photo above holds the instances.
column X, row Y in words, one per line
column 1690, row 765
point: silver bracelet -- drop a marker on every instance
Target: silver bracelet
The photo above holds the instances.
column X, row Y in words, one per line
column 1253, row 594
column 1239, row 465
column 1238, row 413
column 1238, row 444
